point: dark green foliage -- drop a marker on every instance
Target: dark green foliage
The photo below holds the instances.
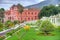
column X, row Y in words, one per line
column 59, row 8
column 11, row 33
column 2, row 12
column 47, row 11
column 16, row 22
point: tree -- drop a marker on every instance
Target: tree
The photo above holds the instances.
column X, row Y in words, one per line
column 46, row 27
column 59, row 8
column 2, row 10
column 47, row 11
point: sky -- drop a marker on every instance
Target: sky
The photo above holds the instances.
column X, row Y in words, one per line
column 6, row 4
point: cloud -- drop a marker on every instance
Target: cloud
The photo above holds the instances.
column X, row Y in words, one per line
column 7, row 3
column 5, row 6
column 23, row 2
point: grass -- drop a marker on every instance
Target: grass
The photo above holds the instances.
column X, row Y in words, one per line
column 32, row 35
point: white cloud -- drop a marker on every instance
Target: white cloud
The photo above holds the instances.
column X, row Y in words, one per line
column 20, row 1
column 5, row 6
column 7, row 3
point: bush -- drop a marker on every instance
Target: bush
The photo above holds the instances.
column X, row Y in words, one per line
column 58, row 28
column 38, row 22
column 1, row 26
column 9, row 24
column 10, row 33
column 16, row 22
column 46, row 27
column 2, row 37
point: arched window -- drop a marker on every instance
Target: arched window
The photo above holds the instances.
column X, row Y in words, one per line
column 21, row 18
column 35, row 13
column 9, row 18
column 28, row 18
column 32, row 13
column 12, row 18
column 32, row 18
column 35, row 17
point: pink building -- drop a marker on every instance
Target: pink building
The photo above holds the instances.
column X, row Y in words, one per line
column 26, row 15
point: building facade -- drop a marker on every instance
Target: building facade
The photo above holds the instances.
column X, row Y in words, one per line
column 27, row 14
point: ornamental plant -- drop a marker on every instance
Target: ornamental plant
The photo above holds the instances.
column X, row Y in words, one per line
column 46, row 27
column 9, row 24
column 26, row 27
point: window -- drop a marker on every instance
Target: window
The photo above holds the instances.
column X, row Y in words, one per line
column 25, row 18
column 8, row 13
column 32, row 18
column 12, row 18
column 35, row 17
column 35, row 13
column 9, row 18
column 28, row 12
column 32, row 13
column 28, row 18
column 21, row 18
column 15, row 8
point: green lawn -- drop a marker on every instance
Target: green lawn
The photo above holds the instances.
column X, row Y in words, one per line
column 32, row 35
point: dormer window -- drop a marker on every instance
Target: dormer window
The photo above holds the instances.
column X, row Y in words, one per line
column 15, row 8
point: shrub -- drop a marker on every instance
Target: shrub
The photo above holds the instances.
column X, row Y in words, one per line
column 2, row 37
column 1, row 26
column 16, row 22
column 38, row 22
column 58, row 28
column 9, row 24
column 46, row 27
